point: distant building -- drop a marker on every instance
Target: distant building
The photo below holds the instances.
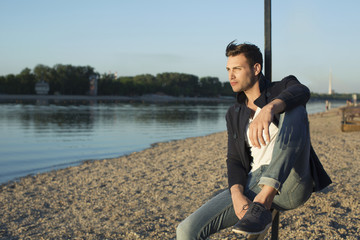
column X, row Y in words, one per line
column 42, row 88
column 112, row 75
column 93, row 85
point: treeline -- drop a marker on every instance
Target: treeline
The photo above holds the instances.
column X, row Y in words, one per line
column 334, row 96
column 62, row 79
column 74, row 80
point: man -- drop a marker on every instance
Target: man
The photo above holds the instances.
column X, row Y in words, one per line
column 270, row 161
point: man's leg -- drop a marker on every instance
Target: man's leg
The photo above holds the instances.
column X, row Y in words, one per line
column 290, row 164
column 289, row 170
column 216, row 214
column 286, row 182
column 288, row 175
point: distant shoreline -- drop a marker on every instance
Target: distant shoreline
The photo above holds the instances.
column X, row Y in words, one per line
column 149, row 98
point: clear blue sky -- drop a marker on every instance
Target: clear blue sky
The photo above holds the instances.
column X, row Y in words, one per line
column 153, row 36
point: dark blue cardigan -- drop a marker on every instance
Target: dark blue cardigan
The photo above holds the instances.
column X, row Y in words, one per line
column 239, row 159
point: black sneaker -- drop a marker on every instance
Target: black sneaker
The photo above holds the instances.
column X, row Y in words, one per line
column 256, row 220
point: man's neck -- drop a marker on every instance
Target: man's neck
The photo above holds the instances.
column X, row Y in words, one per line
column 252, row 94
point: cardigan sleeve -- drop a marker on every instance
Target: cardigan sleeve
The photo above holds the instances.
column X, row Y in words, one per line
column 236, row 166
column 293, row 93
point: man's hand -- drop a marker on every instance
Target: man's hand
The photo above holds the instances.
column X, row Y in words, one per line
column 260, row 125
column 239, row 200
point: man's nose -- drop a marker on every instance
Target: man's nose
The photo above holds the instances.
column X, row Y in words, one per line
column 231, row 75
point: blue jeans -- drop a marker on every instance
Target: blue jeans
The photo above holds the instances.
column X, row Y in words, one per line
column 288, row 172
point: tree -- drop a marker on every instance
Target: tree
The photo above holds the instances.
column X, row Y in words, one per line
column 12, row 84
column 177, row 84
column 27, row 81
column 2, row 85
column 145, row 84
column 127, row 86
column 210, row 86
column 226, row 90
column 108, row 85
column 65, row 79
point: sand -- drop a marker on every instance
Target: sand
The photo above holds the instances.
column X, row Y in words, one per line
column 146, row 194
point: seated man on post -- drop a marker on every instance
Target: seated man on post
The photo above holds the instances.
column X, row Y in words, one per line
column 270, row 160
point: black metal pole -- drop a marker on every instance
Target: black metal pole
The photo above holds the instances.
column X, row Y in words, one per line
column 268, row 65
column 267, row 23
column 275, row 227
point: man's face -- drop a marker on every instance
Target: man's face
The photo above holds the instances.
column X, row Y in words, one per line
column 241, row 75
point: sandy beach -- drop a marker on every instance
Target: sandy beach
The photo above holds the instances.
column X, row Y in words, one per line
column 146, row 194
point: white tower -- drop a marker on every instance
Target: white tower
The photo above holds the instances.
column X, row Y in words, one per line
column 330, row 86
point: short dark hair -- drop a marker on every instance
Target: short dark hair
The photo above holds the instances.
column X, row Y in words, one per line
column 250, row 51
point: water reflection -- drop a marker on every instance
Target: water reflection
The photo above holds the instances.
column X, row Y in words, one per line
column 182, row 113
column 51, row 117
column 40, row 136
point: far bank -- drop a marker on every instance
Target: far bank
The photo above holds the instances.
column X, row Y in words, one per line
column 148, row 98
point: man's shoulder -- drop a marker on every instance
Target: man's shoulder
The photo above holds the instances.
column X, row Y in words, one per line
column 285, row 80
column 283, row 83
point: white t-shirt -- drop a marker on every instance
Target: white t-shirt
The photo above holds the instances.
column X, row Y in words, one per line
column 261, row 156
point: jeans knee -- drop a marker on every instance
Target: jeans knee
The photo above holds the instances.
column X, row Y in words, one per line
column 185, row 231
column 295, row 192
column 296, row 115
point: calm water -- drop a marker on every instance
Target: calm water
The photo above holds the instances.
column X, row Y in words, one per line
column 37, row 138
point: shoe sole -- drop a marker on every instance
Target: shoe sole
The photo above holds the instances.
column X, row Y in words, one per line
column 251, row 233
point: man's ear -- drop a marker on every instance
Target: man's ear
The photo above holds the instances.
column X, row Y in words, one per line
column 257, row 69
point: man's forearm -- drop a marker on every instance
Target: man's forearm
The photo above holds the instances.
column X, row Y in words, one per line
column 276, row 106
column 237, row 188
column 239, row 199
column 260, row 125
